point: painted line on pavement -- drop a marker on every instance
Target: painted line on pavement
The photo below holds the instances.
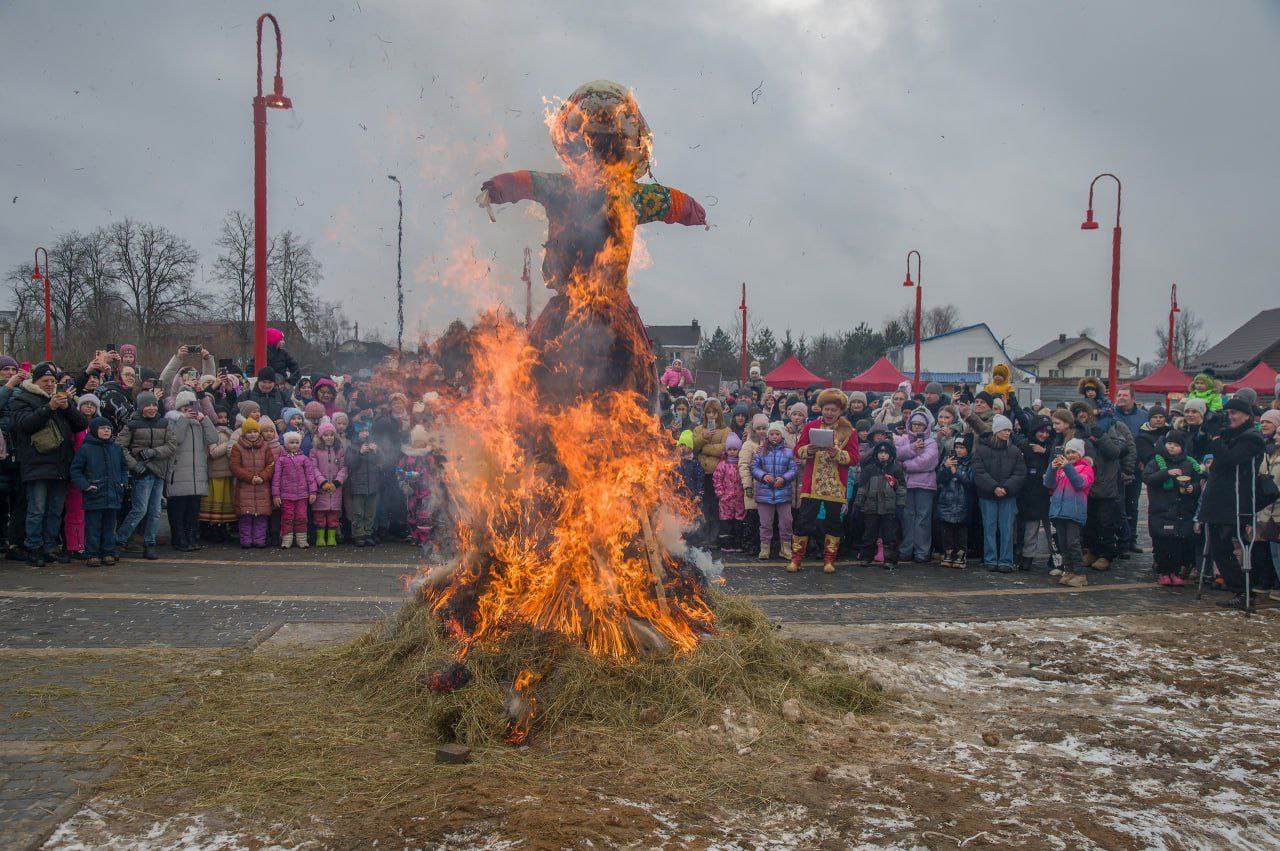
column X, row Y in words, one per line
column 994, row 592
column 378, row 598
column 213, row 562
column 212, row 598
column 133, row 649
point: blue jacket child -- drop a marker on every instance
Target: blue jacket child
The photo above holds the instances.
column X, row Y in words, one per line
column 98, row 469
column 778, row 462
column 955, row 490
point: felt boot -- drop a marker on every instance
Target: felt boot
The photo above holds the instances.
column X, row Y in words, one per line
column 799, row 543
column 830, row 548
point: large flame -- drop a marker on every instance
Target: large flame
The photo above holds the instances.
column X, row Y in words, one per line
column 558, row 468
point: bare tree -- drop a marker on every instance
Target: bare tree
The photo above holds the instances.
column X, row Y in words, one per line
column 1189, row 339
column 294, row 275
column 326, row 325
column 156, row 269
column 233, row 267
column 935, row 320
column 70, row 284
column 27, row 297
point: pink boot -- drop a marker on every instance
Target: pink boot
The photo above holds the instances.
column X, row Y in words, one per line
column 879, row 559
column 1175, row 580
column 1164, row 579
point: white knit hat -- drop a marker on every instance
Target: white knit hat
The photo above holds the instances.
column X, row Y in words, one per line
column 1075, row 445
column 183, row 399
column 1001, row 423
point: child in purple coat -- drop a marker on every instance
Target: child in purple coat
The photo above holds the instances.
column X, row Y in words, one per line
column 294, row 486
column 774, row 468
column 330, row 458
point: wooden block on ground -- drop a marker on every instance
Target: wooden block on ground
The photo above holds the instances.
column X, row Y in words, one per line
column 453, row 753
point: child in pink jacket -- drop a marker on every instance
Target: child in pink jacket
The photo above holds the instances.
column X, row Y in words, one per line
column 294, row 486
column 733, row 505
column 330, row 458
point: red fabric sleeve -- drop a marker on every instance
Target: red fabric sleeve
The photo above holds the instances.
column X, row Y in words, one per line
column 510, row 187
column 684, row 210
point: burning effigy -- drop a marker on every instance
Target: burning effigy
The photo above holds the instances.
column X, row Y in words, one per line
column 560, row 477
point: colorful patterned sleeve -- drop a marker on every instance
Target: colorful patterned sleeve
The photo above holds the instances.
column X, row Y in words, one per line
column 657, row 203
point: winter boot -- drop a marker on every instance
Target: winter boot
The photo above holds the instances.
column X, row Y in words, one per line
column 960, row 559
column 1074, row 580
column 830, row 548
column 764, row 551
column 331, row 537
column 149, row 552
column 1101, row 564
column 286, row 541
column 799, row 543
column 879, row 557
column 301, row 537
column 1089, row 558
column 1026, row 563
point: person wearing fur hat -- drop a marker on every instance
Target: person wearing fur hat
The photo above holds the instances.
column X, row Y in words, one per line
column 730, row 499
column 148, row 445
column 43, row 423
column 188, row 474
column 918, row 453
column 1203, row 388
column 882, row 493
column 1114, row 455
column 1229, row 506
column 1093, row 390
column 99, row 475
column 824, row 479
column 708, row 444
column 73, row 515
column 1173, row 481
column 999, row 472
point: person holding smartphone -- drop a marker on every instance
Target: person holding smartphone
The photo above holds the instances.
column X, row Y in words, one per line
column 44, row 419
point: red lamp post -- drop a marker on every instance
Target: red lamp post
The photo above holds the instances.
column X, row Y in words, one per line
column 275, row 100
column 47, row 277
column 916, row 283
column 1090, row 224
column 1173, row 308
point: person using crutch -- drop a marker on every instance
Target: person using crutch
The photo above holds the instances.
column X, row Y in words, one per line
column 1228, row 508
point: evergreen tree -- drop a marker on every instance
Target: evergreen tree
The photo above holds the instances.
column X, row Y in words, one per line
column 763, row 346
column 802, row 348
column 719, row 353
column 788, row 347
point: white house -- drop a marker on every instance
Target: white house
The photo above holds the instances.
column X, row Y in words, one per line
column 965, row 354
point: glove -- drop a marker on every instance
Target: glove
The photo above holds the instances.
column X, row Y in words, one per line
column 140, row 469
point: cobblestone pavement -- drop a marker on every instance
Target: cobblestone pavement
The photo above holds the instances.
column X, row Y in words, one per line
column 61, row 625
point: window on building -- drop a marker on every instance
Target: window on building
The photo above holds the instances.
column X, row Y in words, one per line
column 1055, row 373
column 1093, row 356
column 1093, row 373
column 981, row 364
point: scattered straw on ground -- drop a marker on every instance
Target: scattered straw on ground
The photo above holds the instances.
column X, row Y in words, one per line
column 350, row 733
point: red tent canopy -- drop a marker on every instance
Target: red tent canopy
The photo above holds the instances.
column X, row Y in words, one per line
column 882, row 376
column 791, row 375
column 1166, row 379
column 1261, row 378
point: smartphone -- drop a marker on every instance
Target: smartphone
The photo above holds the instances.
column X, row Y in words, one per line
column 194, row 348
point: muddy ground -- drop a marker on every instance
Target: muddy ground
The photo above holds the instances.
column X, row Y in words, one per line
column 1138, row 731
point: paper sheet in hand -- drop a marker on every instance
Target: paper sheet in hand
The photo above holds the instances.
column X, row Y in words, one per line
column 822, row 437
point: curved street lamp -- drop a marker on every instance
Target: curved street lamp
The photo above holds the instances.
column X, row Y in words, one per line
column 1090, row 224
column 47, row 278
column 275, row 100
column 399, row 252
column 916, row 283
column 1173, row 308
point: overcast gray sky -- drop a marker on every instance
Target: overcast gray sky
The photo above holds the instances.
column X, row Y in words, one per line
column 967, row 130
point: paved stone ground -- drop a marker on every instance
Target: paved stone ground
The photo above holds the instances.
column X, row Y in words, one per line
column 62, row 624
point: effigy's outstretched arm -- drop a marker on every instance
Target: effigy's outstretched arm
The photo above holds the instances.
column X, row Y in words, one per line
column 657, row 203
column 508, row 188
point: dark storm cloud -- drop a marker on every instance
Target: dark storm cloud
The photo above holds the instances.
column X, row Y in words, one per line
column 969, row 132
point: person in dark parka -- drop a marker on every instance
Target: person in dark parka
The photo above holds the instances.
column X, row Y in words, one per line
column 1173, row 480
column 44, row 421
column 1229, row 502
column 1033, row 499
column 98, row 472
column 998, row 475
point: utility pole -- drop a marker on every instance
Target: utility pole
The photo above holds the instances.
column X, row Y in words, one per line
column 528, row 288
column 399, row 253
column 743, row 308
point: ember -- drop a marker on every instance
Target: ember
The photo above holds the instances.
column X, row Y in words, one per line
column 561, row 477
